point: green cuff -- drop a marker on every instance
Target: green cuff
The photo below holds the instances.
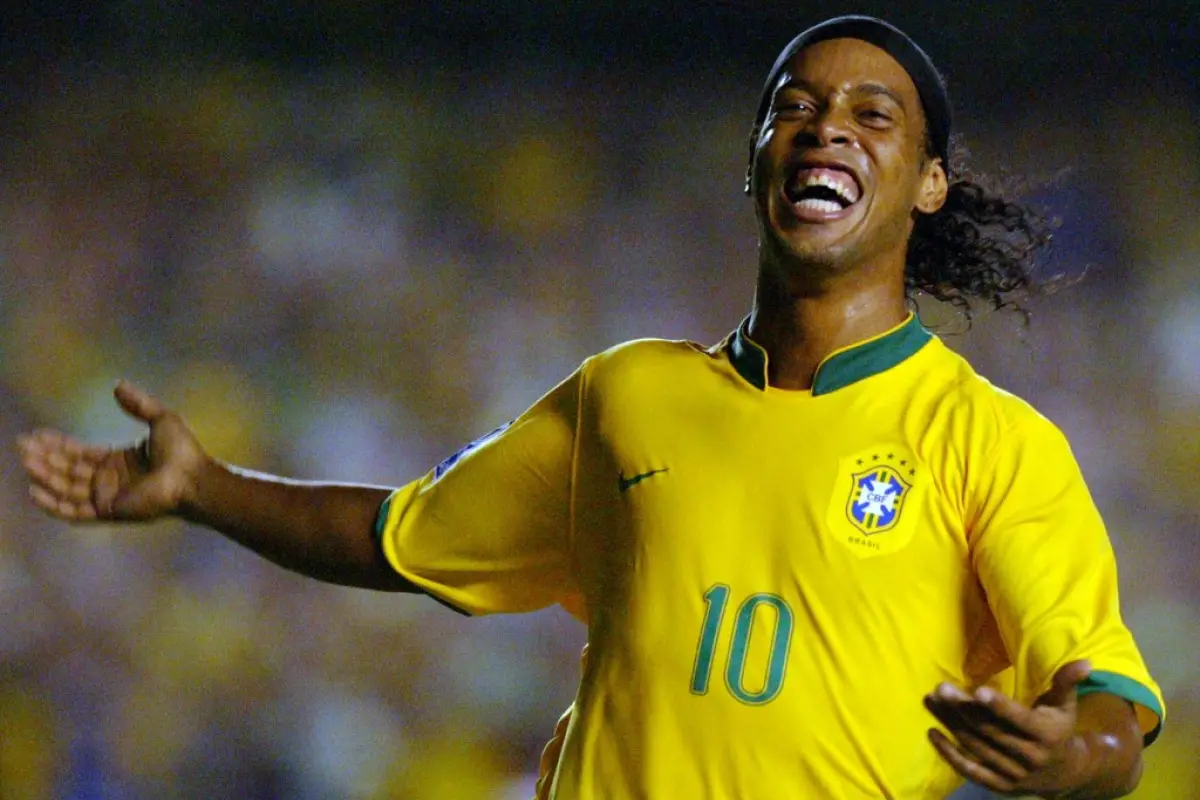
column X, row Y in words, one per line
column 381, row 520
column 1128, row 688
column 377, row 535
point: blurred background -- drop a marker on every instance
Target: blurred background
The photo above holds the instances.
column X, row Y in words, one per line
column 344, row 238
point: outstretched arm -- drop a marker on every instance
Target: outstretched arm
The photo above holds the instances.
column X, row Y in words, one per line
column 322, row 530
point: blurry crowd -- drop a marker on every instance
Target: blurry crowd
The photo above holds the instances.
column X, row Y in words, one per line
column 349, row 274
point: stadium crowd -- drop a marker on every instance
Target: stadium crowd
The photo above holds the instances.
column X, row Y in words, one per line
column 348, row 274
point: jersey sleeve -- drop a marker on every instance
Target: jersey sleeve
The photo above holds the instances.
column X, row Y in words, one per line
column 487, row 530
column 1044, row 559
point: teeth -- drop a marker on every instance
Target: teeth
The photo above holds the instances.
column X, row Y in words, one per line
column 823, row 206
column 843, row 191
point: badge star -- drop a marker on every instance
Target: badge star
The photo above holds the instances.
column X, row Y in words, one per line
column 874, row 458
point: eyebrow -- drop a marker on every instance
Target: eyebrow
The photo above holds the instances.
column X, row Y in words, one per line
column 868, row 88
column 879, row 88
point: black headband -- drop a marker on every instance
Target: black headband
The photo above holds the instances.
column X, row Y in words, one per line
column 932, row 89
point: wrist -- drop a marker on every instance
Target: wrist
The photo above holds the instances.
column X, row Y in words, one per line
column 197, row 488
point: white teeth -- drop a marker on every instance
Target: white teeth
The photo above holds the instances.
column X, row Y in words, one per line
column 823, row 206
column 843, row 191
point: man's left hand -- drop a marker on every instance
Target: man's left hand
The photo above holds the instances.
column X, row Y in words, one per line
column 1010, row 748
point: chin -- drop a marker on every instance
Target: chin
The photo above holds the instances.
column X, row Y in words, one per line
column 803, row 265
column 805, row 251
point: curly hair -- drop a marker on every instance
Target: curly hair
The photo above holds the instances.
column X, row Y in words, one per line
column 982, row 245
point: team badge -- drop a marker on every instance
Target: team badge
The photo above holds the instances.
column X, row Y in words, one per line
column 875, row 505
column 876, row 499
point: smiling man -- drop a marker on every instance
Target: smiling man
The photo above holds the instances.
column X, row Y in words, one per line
column 822, row 558
column 882, row 519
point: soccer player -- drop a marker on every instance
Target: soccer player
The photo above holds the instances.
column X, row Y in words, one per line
column 822, row 558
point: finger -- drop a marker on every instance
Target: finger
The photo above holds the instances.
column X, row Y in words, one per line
column 950, row 704
column 35, row 445
column 92, row 453
column 976, row 722
column 74, row 447
column 1030, row 754
column 138, row 404
column 68, row 477
column 42, row 442
column 946, row 713
column 74, row 472
column 966, row 766
column 63, row 509
column 989, row 754
column 58, row 461
column 1064, row 688
column 82, row 471
column 949, row 693
column 1007, row 711
column 26, row 443
column 45, row 437
column 986, row 705
column 61, row 486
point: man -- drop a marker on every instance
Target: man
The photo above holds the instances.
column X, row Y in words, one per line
column 791, row 549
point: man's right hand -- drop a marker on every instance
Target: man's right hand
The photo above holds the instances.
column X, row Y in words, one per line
column 80, row 482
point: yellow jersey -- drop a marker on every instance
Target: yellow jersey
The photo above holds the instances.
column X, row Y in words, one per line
column 772, row 580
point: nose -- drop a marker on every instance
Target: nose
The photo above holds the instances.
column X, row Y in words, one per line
column 828, row 128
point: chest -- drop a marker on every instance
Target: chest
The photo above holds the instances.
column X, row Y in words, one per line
column 859, row 498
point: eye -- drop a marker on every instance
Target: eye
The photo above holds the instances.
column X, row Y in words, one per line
column 875, row 117
column 793, row 108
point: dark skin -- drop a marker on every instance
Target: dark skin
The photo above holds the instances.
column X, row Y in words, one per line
column 825, row 285
column 822, row 285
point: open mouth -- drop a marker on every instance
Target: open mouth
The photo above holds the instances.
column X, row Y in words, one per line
column 822, row 191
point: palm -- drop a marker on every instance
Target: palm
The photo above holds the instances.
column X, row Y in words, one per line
column 76, row 481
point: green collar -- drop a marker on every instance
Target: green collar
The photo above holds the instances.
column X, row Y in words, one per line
column 841, row 367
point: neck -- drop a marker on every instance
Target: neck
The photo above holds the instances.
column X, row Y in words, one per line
column 800, row 328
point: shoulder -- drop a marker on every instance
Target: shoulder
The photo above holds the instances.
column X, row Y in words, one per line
column 646, row 376
column 656, row 359
column 991, row 416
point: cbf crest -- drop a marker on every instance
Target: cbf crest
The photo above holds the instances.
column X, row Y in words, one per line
column 876, row 498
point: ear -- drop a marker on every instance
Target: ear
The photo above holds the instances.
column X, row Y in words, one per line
column 934, row 185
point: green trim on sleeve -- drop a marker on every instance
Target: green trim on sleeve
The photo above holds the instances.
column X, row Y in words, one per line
column 1128, row 688
column 377, row 534
column 381, row 520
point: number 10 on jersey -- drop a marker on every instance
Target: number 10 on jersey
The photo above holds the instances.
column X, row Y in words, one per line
column 715, row 601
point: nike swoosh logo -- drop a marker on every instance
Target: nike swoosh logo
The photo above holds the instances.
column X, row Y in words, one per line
column 624, row 483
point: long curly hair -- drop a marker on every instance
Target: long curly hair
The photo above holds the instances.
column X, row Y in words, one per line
column 983, row 245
